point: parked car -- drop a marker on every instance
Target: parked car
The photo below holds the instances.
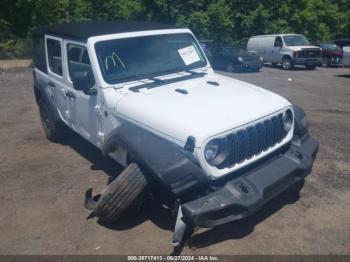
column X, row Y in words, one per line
column 342, row 42
column 285, row 49
column 230, row 58
column 331, row 54
column 346, row 56
column 213, row 149
column 345, row 45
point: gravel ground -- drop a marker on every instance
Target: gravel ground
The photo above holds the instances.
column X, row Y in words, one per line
column 42, row 184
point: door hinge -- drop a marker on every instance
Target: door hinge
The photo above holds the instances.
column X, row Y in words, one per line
column 101, row 136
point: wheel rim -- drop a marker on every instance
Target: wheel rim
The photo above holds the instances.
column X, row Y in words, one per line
column 286, row 64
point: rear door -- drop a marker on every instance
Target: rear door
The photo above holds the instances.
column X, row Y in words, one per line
column 55, row 77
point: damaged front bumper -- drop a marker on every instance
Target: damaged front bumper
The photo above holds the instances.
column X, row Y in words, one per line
column 244, row 195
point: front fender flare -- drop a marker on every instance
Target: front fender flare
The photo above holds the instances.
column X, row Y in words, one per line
column 300, row 121
column 176, row 168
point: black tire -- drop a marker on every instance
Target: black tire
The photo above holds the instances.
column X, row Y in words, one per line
column 310, row 67
column 55, row 131
column 120, row 194
column 287, row 63
column 325, row 62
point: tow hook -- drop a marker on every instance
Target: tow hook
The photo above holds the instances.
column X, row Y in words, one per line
column 182, row 231
column 298, row 154
column 89, row 202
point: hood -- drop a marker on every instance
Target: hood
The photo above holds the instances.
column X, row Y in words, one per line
column 205, row 111
column 249, row 56
column 337, row 51
column 299, row 48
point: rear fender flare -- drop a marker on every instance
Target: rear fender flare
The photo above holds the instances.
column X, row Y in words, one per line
column 43, row 92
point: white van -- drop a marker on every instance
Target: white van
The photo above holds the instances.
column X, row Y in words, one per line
column 286, row 49
column 346, row 56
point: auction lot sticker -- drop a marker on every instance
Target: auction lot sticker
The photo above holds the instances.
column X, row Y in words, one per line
column 189, row 55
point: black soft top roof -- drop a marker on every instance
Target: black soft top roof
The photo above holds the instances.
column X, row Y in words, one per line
column 83, row 30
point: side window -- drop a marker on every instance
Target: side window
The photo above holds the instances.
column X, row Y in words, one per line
column 78, row 61
column 278, row 42
column 54, row 56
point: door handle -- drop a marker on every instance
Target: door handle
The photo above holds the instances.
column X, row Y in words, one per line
column 70, row 95
column 52, row 84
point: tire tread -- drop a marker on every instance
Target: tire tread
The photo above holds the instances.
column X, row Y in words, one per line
column 119, row 195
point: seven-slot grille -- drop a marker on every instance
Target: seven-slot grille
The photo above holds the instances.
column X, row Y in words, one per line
column 254, row 139
column 309, row 53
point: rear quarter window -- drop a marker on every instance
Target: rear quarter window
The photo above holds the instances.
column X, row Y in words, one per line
column 54, row 56
column 39, row 53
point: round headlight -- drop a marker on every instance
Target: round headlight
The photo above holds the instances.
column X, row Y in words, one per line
column 287, row 120
column 240, row 59
column 216, row 151
column 212, row 150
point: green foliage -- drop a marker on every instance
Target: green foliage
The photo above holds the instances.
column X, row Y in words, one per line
column 230, row 21
column 19, row 48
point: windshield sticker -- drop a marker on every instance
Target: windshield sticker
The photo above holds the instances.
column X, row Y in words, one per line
column 189, row 55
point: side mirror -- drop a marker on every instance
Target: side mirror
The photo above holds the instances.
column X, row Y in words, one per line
column 84, row 82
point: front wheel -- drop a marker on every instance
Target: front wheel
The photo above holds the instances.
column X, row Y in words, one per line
column 287, row 63
column 325, row 62
column 120, row 194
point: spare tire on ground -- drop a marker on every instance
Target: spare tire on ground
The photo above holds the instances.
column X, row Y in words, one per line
column 119, row 194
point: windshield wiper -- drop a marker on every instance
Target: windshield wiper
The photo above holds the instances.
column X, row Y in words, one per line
column 158, row 82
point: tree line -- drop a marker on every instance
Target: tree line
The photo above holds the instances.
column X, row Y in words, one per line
column 229, row 21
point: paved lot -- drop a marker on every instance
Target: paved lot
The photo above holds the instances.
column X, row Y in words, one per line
column 42, row 184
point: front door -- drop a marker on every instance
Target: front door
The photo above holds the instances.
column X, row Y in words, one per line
column 84, row 108
column 276, row 56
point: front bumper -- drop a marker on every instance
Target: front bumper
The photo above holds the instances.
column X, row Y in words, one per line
column 307, row 61
column 335, row 61
column 250, row 66
column 244, row 195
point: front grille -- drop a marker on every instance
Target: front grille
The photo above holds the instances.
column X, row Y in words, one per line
column 254, row 139
column 309, row 53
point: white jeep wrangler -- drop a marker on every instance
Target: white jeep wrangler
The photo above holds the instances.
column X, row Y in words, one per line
column 144, row 94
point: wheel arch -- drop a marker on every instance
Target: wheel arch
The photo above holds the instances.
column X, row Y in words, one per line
column 287, row 56
column 170, row 164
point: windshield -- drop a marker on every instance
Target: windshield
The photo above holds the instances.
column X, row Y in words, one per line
column 295, row 40
column 130, row 58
